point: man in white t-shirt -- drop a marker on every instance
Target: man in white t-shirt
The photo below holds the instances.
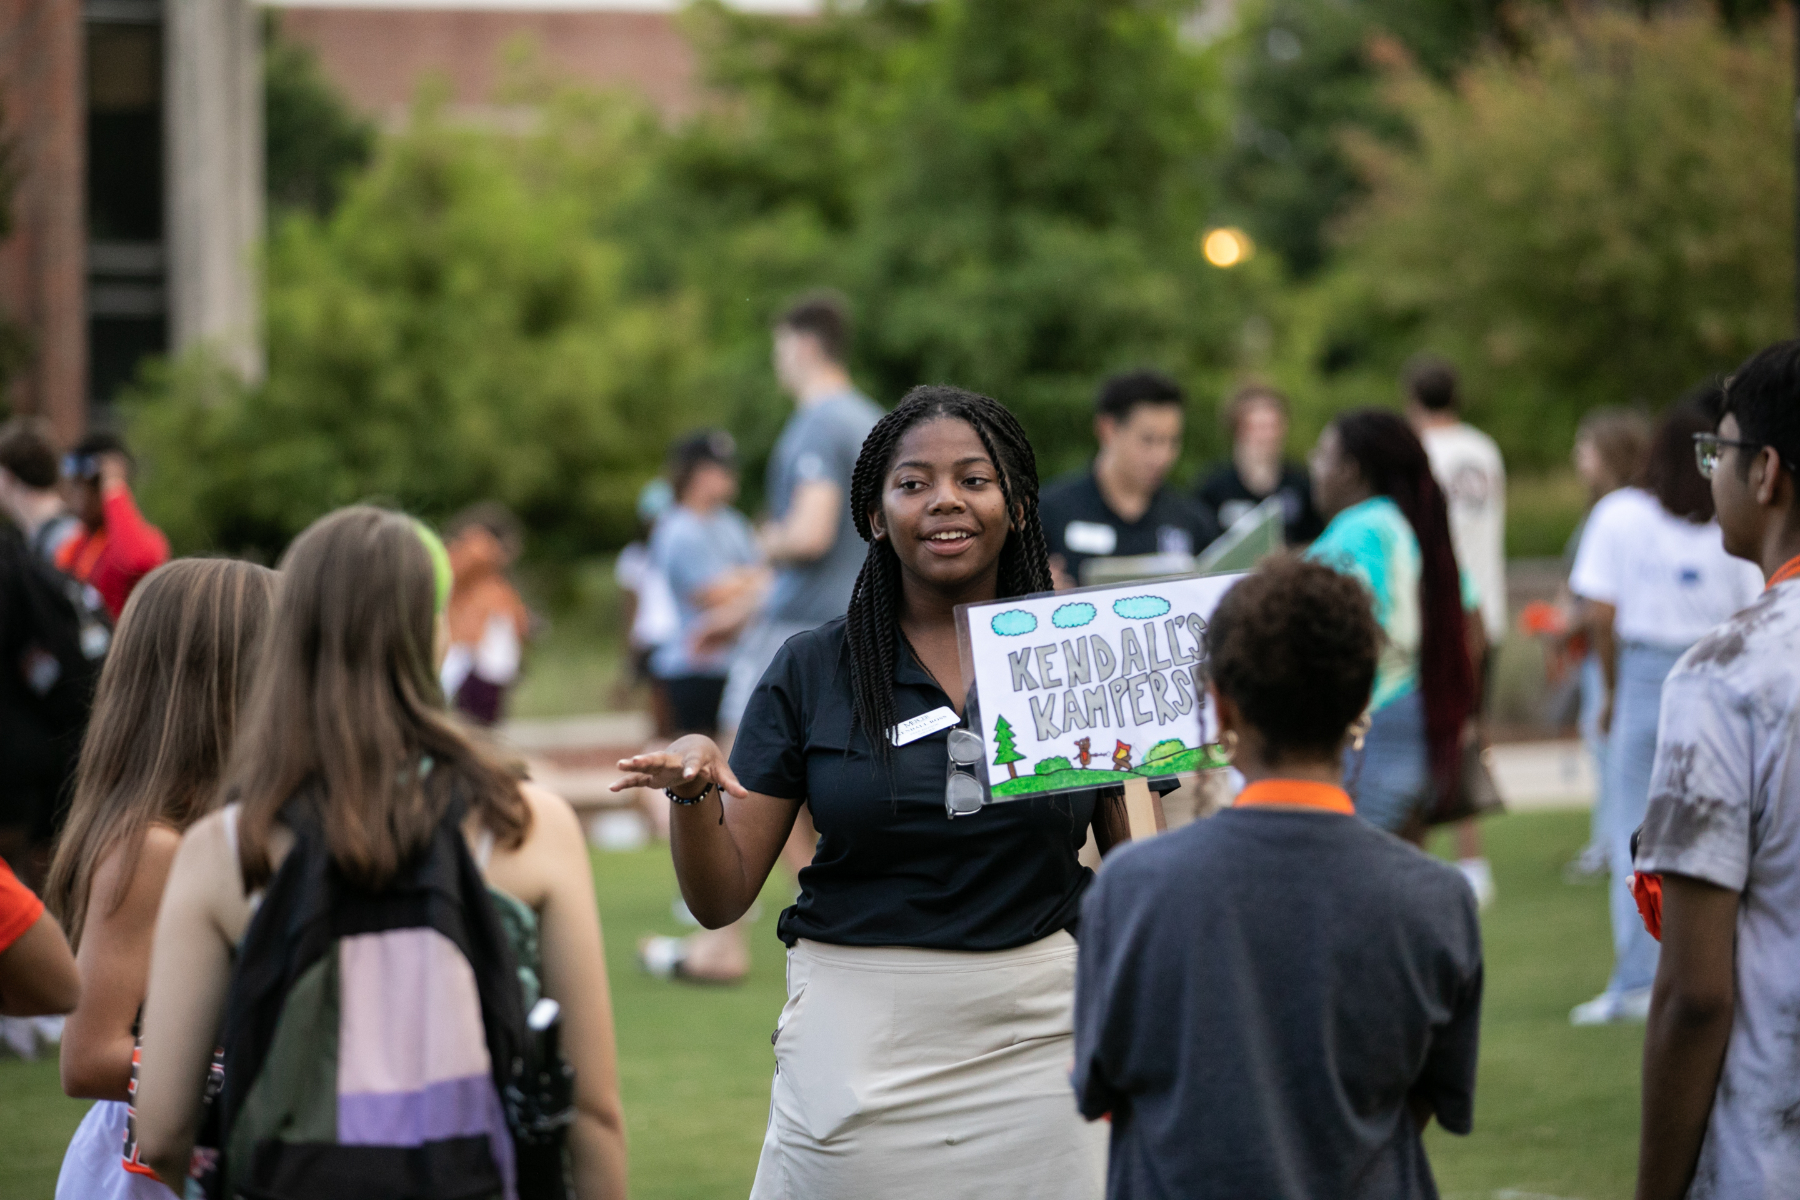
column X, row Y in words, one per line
column 1721, row 1106
column 1467, row 466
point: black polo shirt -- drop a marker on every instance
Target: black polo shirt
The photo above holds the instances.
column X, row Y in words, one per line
column 1224, row 494
column 892, row 868
column 1079, row 524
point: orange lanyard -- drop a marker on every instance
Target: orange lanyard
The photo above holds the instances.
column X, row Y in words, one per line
column 1296, row 793
column 1789, row 570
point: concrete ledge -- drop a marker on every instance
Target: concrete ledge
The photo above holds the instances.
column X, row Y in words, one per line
column 1535, row 776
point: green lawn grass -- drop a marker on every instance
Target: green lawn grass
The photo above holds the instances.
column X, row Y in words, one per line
column 1556, row 1110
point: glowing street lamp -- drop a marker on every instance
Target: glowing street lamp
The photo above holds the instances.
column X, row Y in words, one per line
column 1227, row 247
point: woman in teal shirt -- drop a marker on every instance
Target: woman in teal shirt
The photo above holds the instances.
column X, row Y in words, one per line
column 1389, row 528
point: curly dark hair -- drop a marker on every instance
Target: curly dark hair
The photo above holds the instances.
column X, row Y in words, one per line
column 1294, row 647
column 872, row 627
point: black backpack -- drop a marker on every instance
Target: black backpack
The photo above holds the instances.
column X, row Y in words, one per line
column 423, row 962
column 67, row 634
column 54, row 634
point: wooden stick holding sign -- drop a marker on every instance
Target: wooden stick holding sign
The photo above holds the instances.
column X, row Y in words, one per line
column 1128, row 814
column 1096, row 689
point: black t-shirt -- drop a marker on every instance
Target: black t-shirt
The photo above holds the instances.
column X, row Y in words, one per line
column 1079, row 525
column 1260, row 994
column 1224, row 495
column 892, row 868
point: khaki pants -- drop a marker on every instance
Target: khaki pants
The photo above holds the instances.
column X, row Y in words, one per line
column 939, row 1074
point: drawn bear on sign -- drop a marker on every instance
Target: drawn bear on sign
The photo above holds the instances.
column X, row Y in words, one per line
column 1084, row 752
column 1122, row 756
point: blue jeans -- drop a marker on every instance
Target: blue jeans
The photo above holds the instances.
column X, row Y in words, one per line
column 1593, row 695
column 1390, row 778
column 1630, row 754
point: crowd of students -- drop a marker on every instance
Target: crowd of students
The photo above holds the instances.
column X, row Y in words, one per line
column 318, row 933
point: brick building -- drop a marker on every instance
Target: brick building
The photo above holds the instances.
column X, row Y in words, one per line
column 379, row 52
column 134, row 130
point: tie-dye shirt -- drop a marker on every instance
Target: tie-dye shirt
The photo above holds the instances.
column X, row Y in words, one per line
column 1374, row 542
column 1725, row 808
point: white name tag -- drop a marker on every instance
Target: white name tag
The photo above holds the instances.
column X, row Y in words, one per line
column 1090, row 537
column 924, row 725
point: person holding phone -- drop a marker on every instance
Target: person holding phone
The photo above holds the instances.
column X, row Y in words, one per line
column 115, row 546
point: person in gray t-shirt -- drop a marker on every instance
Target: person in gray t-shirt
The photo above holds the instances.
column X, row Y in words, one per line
column 1274, row 1001
column 810, row 538
column 813, row 545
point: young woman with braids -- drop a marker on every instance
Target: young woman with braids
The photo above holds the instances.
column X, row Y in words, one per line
column 925, row 1044
column 1389, row 527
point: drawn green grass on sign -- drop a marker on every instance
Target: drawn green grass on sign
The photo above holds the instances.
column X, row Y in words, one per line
column 1168, row 757
column 1058, row 781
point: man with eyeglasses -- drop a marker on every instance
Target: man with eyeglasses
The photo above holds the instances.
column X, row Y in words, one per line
column 1721, row 1108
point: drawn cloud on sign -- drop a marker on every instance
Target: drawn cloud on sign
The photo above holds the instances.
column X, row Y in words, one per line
column 1140, row 608
column 1072, row 616
column 1016, row 622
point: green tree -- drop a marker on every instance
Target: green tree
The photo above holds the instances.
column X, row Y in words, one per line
column 1302, row 75
column 456, row 330
column 1607, row 223
column 313, row 143
column 1005, row 753
column 1010, row 193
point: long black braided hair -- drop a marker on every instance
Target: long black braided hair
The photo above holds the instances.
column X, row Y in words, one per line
column 873, row 622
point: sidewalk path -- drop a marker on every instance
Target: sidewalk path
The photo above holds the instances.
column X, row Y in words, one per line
column 1533, row 776
column 575, row 757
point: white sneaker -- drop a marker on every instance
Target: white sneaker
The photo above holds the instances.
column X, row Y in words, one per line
column 1610, row 1008
column 1590, row 864
column 1481, row 880
column 19, row 1035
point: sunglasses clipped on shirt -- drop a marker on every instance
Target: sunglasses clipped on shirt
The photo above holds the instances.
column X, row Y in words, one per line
column 963, row 793
column 1709, row 447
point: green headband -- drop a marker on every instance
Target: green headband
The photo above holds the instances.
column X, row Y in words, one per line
column 440, row 562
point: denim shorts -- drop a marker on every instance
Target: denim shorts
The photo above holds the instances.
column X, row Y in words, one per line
column 1390, row 778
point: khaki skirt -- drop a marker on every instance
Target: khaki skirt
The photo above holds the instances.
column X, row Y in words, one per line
column 933, row 1073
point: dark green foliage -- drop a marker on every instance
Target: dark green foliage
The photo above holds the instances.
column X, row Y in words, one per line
column 1049, row 766
column 1607, row 222
column 1009, row 192
column 313, row 142
column 1305, row 72
column 456, row 331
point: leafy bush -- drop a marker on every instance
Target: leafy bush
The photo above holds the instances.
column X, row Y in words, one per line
column 1166, row 748
column 1608, row 221
column 1049, row 766
column 1009, row 191
column 456, row 330
column 313, row 143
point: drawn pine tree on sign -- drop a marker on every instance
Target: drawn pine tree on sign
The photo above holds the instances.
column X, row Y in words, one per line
column 1005, row 753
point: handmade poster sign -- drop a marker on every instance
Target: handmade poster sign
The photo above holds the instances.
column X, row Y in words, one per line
column 1091, row 687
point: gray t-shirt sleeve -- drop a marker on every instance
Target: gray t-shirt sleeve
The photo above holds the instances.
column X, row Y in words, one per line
column 1699, row 817
column 686, row 560
column 1098, row 1038
column 831, row 456
column 1447, row 1082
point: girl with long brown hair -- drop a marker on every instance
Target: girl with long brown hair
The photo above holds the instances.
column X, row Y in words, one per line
column 164, row 714
column 346, row 739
